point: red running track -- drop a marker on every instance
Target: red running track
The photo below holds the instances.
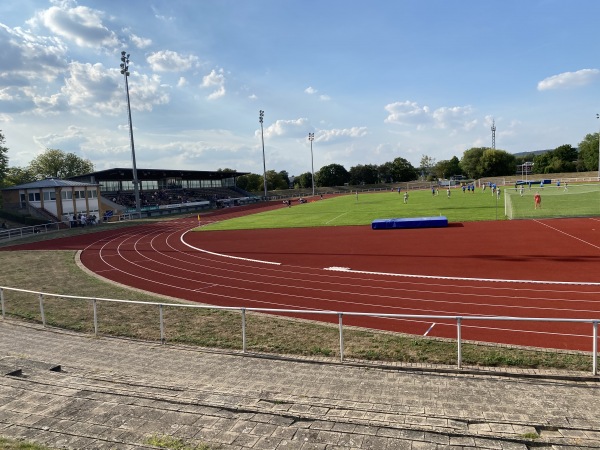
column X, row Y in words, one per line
column 533, row 268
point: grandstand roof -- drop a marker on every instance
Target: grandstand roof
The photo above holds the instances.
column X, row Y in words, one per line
column 124, row 174
column 49, row 183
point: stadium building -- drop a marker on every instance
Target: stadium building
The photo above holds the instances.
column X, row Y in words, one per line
column 109, row 194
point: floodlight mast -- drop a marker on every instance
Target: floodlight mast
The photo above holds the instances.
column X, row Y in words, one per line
column 136, row 187
column 311, row 138
column 261, row 115
column 598, row 117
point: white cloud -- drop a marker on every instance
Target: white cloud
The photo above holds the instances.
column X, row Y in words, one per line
column 412, row 114
column 452, row 117
column 140, row 42
column 215, row 80
column 169, row 61
column 29, row 57
column 569, row 79
column 408, row 113
column 310, row 90
column 182, row 82
column 324, row 98
column 79, row 24
column 280, row 128
column 339, row 134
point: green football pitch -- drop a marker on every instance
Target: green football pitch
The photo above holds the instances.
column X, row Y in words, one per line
column 362, row 209
column 350, row 209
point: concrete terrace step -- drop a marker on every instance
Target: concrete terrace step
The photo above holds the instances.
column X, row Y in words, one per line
column 114, row 393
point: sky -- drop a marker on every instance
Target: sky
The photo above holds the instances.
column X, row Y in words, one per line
column 372, row 80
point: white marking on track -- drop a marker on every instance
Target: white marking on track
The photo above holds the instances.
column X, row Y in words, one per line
column 429, row 329
column 223, row 255
column 567, row 234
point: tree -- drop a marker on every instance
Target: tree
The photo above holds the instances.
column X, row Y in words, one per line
column 286, row 178
column 447, row 168
column 251, row 182
column 384, row 172
column 470, row 162
column 304, row 180
column 277, row 181
column 402, row 170
column 58, row 164
column 332, row 175
column 18, row 175
column 366, row 174
column 426, row 165
column 561, row 159
column 495, row 163
column 588, row 152
column 3, row 160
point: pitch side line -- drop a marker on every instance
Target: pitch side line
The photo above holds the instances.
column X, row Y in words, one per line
column 567, row 234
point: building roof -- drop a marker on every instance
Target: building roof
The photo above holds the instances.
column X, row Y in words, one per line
column 125, row 174
column 49, row 183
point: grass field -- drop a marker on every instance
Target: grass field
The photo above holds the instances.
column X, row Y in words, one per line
column 480, row 205
column 349, row 209
column 578, row 200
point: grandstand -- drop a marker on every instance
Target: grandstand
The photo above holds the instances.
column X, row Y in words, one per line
column 166, row 191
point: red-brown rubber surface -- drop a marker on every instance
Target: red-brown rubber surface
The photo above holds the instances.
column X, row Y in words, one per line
column 456, row 268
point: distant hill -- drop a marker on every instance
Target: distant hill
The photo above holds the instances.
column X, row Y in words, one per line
column 532, row 152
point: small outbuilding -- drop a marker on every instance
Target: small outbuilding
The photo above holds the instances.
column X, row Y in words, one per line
column 53, row 199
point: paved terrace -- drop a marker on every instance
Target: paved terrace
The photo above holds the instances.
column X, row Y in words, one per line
column 69, row 390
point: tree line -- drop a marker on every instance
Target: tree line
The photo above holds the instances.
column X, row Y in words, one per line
column 475, row 163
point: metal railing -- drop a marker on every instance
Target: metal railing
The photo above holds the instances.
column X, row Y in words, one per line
column 340, row 315
column 7, row 234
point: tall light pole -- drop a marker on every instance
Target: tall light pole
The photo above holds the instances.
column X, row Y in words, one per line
column 261, row 115
column 598, row 117
column 136, row 187
column 311, row 138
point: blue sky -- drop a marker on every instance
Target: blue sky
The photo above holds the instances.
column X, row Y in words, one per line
column 373, row 80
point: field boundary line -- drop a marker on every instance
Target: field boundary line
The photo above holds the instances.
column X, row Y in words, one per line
column 566, row 234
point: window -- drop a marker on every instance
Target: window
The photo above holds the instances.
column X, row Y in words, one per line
column 92, row 194
column 49, row 195
column 66, row 195
column 34, row 196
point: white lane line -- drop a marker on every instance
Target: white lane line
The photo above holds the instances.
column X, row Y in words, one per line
column 223, row 255
column 429, row 329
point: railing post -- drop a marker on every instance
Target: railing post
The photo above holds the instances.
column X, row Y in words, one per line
column 162, row 326
column 341, row 326
column 595, row 348
column 42, row 309
column 2, row 302
column 244, row 330
column 458, row 341
column 94, row 304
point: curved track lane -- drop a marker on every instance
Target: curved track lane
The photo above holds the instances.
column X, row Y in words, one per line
column 384, row 272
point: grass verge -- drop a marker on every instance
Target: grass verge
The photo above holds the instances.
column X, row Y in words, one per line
column 56, row 272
